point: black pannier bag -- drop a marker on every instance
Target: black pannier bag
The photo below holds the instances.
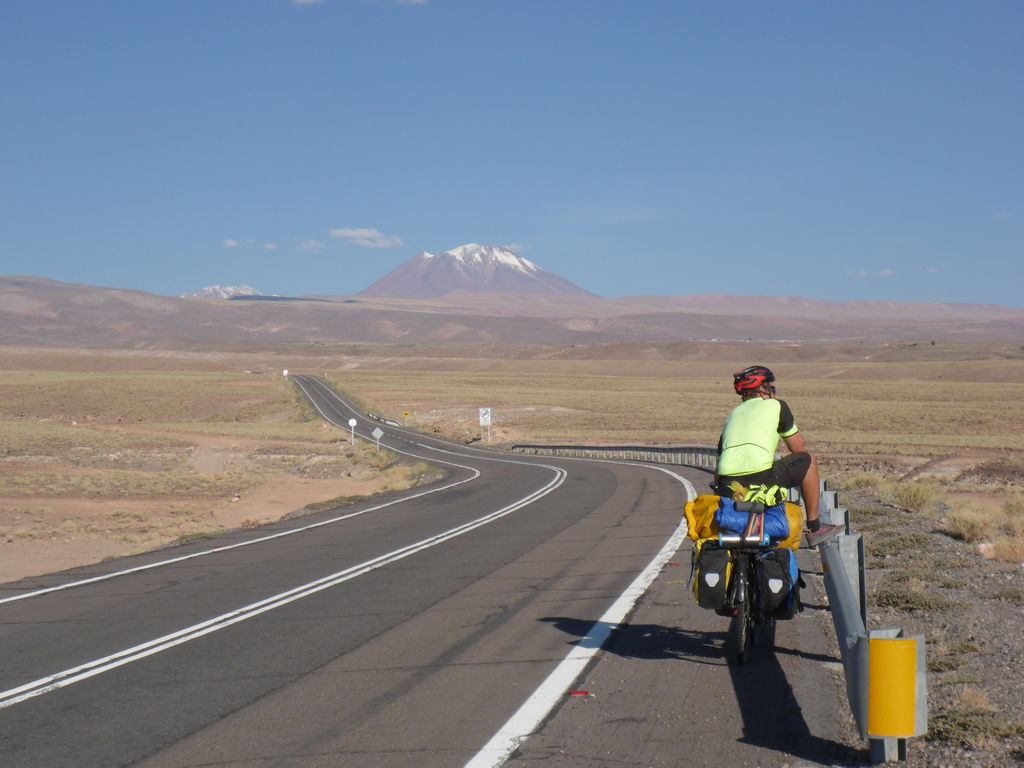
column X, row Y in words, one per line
column 711, row 578
column 780, row 583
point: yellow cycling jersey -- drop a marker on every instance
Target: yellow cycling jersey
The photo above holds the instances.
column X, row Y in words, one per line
column 751, row 436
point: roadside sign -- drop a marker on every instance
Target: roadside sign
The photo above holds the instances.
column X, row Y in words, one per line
column 352, row 427
column 377, row 433
column 352, row 422
column 485, row 421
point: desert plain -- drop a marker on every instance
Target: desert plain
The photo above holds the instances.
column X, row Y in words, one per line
column 111, row 452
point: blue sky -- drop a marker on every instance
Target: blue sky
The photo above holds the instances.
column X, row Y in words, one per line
column 846, row 151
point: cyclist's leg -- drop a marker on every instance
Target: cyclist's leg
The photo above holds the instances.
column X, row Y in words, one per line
column 800, row 470
column 810, row 487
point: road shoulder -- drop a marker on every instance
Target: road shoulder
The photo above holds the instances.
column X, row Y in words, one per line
column 666, row 691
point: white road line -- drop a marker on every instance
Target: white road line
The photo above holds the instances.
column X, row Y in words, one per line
column 98, row 666
column 533, row 711
column 217, row 550
column 226, row 548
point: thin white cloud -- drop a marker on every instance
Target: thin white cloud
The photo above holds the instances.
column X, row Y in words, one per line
column 367, row 238
column 880, row 273
column 307, row 2
column 311, row 245
column 249, row 242
column 412, row 2
column 932, row 271
column 886, row 273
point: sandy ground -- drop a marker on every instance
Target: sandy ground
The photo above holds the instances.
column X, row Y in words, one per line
column 43, row 535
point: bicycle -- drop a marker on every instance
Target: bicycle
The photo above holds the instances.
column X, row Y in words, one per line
column 751, row 621
column 745, row 564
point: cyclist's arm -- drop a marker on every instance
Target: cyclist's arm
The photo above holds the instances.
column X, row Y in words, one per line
column 795, row 443
column 788, row 429
column 721, row 438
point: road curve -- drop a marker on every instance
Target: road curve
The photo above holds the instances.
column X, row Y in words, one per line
column 403, row 630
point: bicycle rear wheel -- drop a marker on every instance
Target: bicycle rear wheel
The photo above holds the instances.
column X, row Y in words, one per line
column 741, row 632
column 740, row 629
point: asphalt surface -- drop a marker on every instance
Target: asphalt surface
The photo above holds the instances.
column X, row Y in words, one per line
column 405, row 631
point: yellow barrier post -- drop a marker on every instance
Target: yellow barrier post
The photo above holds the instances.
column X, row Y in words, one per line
column 897, row 693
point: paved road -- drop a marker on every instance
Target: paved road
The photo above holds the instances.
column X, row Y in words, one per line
column 401, row 631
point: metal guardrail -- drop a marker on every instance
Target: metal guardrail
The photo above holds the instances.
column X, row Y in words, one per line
column 873, row 683
column 691, row 456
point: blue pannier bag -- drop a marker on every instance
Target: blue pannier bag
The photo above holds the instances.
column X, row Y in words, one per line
column 780, row 583
column 776, row 524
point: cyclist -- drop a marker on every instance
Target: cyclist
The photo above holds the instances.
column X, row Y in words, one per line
column 746, row 449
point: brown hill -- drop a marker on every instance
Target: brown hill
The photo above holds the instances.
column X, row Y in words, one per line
column 39, row 312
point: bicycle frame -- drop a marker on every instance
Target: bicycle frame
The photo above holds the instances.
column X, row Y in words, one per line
column 744, row 596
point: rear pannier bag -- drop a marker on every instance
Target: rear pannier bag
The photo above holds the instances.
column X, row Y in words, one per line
column 712, row 567
column 780, row 580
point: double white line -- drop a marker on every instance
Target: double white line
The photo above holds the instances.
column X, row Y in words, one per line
column 107, row 663
column 474, row 474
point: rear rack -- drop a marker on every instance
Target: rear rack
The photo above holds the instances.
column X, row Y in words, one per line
column 737, row 542
column 753, row 536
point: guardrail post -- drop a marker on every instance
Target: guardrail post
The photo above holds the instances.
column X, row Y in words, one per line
column 897, row 693
column 851, row 553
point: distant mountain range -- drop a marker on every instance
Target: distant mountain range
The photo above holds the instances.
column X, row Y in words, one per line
column 472, row 294
column 470, row 268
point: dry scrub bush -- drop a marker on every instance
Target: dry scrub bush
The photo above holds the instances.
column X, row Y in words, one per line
column 859, row 481
column 947, row 658
column 970, row 727
column 970, row 524
column 75, row 443
column 1003, row 530
column 1009, row 549
column 912, row 596
column 972, row 697
column 116, row 484
column 1015, row 596
column 1013, row 511
column 915, row 495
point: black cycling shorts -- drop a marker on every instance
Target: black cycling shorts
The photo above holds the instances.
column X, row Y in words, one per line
column 787, row 472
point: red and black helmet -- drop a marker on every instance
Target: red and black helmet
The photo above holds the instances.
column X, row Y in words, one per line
column 751, row 379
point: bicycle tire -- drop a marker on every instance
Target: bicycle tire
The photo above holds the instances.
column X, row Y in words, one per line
column 761, row 624
column 741, row 621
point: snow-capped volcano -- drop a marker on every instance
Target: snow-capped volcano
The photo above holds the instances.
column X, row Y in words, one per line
column 470, row 267
column 221, row 292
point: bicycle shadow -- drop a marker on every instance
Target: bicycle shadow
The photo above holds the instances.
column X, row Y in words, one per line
column 771, row 714
column 647, row 641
